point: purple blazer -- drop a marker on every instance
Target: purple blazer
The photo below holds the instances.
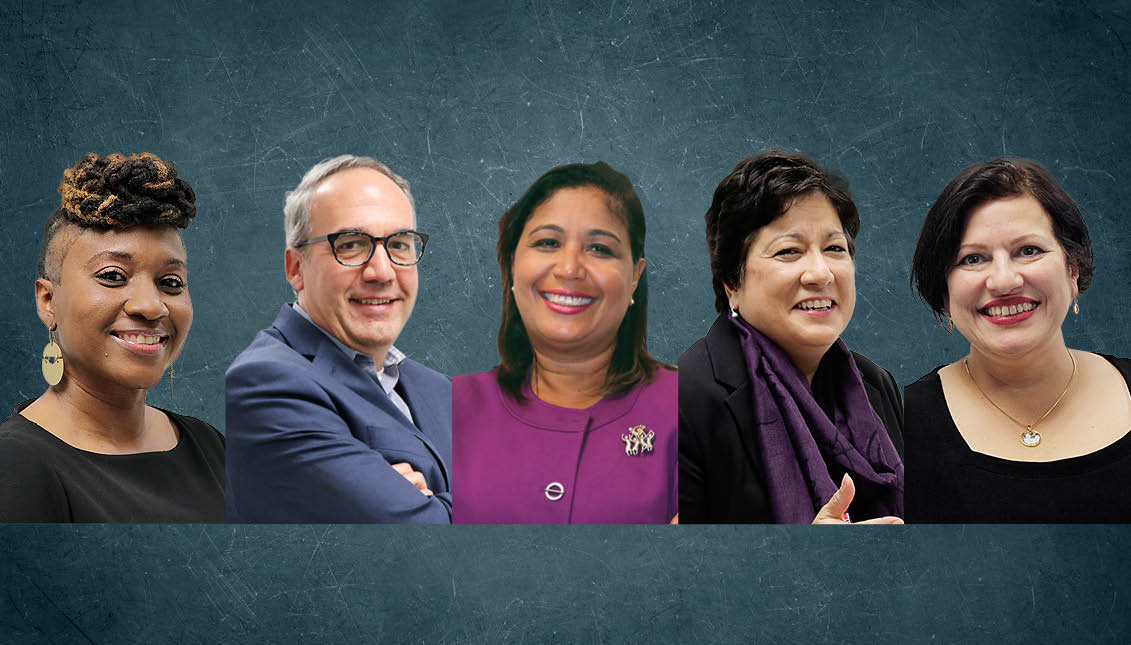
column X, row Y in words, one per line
column 536, row 463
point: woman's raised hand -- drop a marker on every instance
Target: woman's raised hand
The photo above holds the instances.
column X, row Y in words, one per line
column 836, row 510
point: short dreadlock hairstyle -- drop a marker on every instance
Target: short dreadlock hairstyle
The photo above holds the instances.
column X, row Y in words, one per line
column 118, row 192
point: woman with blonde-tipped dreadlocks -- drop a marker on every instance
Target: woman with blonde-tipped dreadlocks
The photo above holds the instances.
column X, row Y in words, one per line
column 112, row 291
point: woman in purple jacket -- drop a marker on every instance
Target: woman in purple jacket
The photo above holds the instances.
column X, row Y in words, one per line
column 577, row 424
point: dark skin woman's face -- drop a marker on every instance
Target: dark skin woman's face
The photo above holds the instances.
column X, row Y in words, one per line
column 120, row 304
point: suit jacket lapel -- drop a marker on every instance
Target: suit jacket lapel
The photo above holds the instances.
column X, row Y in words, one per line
column 424, row 406
column 730, row 370
column 329, row 359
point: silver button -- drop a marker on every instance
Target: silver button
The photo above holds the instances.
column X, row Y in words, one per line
column 554, row 491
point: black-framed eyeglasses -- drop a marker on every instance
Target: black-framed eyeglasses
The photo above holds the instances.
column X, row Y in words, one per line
column 355, row 248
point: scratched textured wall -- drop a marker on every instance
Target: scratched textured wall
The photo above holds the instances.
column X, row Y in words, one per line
column 471, row 102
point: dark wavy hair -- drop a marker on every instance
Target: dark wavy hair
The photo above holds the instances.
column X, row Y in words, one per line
column 981, row 183
column 759, row 190
column 631, row 363
column 117, row 192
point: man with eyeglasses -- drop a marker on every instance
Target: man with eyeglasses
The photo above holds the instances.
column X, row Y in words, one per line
column 327, row 421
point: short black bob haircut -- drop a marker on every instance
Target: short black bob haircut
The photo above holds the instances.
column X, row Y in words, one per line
column 631, row 363
column 759, row 190
column 1005, row 177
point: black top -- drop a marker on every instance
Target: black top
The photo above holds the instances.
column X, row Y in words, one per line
column 721, row 477
column 948, row 482
column 44, row 479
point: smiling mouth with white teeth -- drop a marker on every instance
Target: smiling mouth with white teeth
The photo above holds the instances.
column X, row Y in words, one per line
column 566, row 301
column 141, row 339
column 1010, row 310
column 815, row 305
column 373, row 301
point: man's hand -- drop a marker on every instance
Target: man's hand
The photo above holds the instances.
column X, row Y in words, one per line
column 413, row 477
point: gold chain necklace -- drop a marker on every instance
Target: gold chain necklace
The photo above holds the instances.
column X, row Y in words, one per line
column 1029, row 438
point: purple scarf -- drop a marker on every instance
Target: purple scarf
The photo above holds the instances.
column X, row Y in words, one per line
column 796, row 436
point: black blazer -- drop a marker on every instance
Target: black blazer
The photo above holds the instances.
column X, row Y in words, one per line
column 721, row 478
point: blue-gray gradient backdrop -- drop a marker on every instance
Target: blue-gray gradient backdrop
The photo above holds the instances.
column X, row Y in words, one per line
column 470, row 102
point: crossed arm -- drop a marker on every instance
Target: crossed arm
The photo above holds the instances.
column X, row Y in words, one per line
column 291, row 457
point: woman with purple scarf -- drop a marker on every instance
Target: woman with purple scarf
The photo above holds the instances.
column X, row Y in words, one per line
column 778, row 420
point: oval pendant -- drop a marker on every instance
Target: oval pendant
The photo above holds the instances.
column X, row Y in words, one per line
column 1030, row 438
column 52, row 363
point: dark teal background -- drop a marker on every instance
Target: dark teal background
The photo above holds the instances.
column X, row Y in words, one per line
column 470, row 103
column 946, row 584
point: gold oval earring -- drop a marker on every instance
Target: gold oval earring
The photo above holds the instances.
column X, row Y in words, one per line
column 52, row 364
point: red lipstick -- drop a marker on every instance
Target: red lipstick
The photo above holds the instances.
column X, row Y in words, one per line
column 1009, row 311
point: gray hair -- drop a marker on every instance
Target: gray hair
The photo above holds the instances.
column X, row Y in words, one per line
column 296, row 211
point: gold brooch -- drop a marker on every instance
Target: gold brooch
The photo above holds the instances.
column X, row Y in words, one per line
column 638, row 440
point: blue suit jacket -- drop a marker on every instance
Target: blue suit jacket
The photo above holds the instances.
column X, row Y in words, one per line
column 311, row 436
